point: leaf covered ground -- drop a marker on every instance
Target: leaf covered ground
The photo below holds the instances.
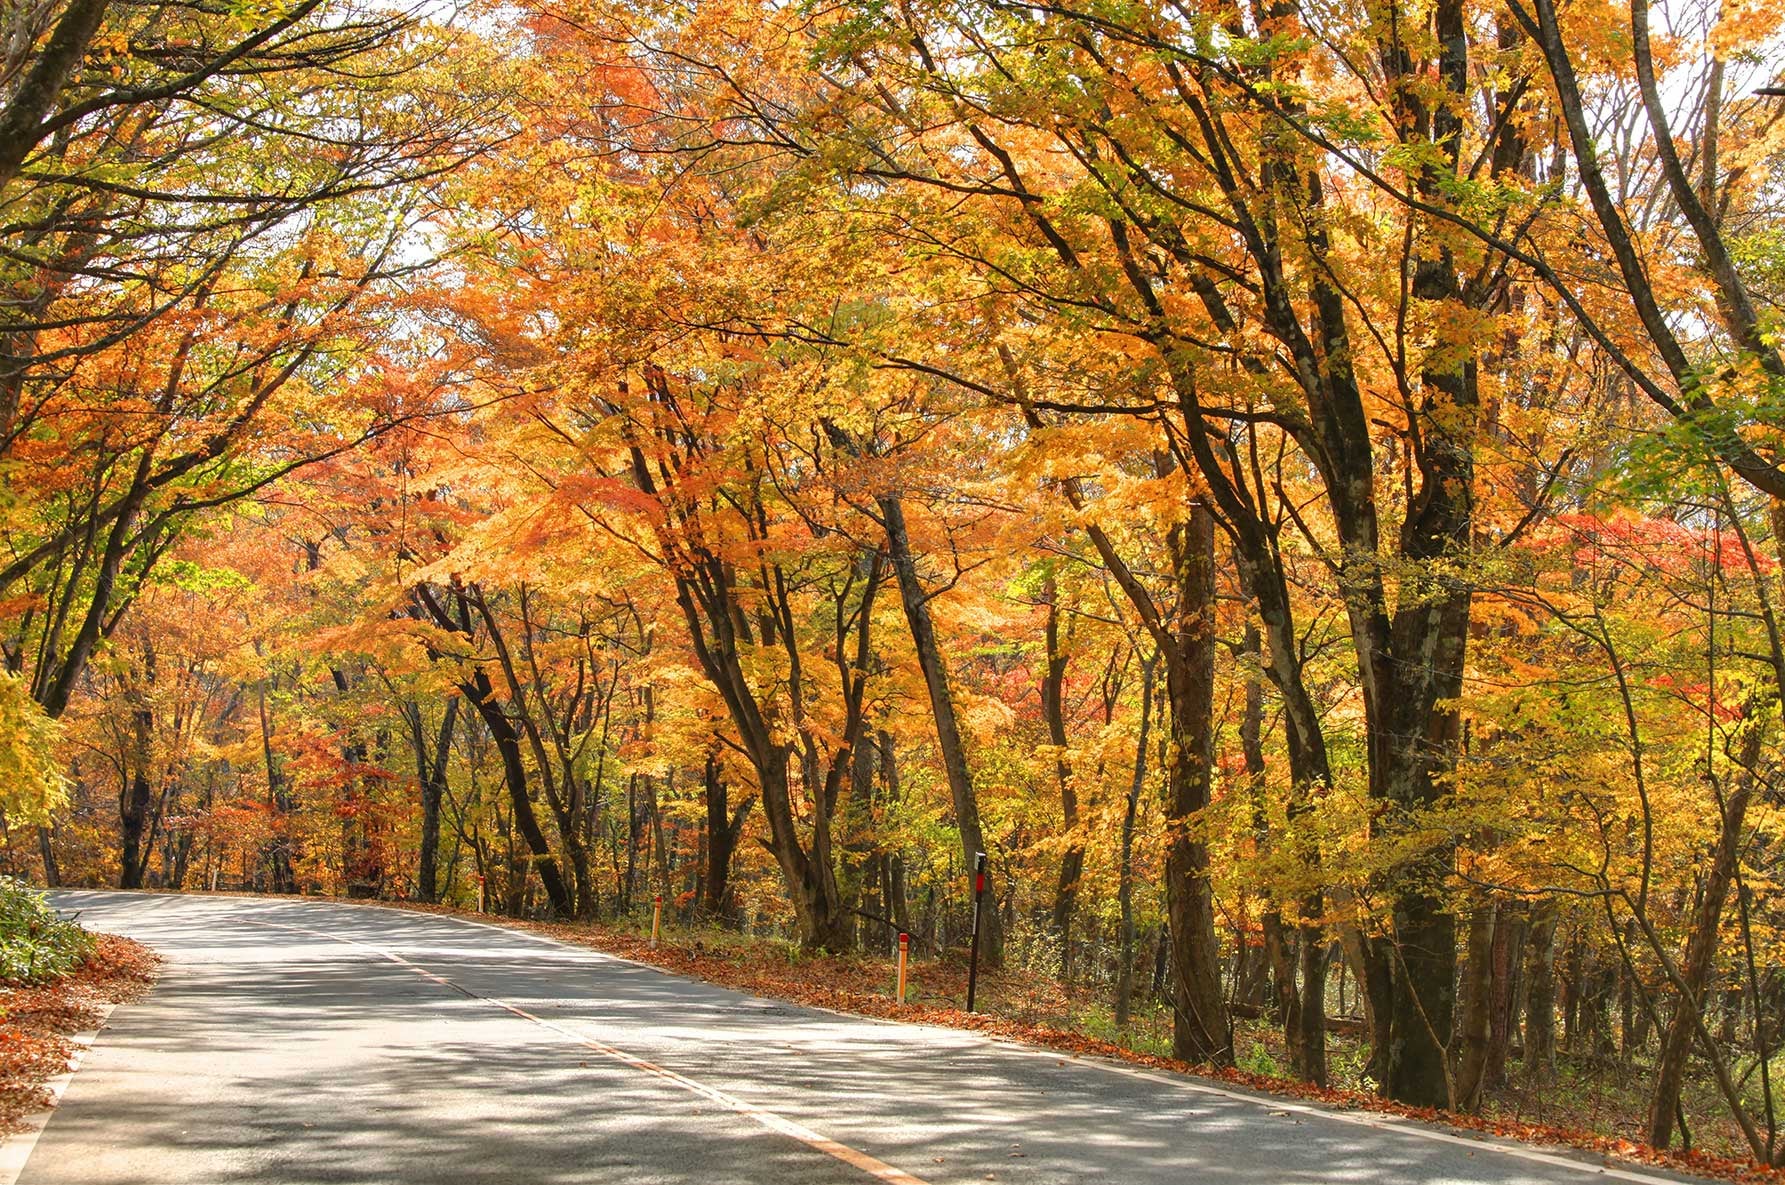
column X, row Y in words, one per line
column 37, row 1021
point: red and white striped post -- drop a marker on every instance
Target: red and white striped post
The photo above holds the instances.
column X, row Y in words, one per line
column 656, row 920
column 904, row 954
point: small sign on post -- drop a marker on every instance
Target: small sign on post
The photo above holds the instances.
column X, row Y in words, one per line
column 978, row 902
column 656, row 920
column 904, row 954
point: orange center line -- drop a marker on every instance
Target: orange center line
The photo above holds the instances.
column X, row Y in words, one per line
column 853, row 1157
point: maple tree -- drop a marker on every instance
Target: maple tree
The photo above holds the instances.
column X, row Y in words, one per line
column 1298, row 489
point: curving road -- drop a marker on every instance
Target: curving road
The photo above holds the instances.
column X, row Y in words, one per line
column 303, row 1041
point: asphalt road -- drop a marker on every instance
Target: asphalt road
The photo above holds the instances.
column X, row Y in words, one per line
column 300, row 1041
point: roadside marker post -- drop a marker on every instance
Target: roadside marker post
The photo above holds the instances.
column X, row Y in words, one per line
column 904, row 954
column 480, row 908
column 978, row 903
column 656, row 919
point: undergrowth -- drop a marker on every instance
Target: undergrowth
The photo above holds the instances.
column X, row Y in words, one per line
column 35, row 944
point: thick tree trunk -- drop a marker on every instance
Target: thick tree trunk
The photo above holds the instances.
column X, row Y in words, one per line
column 1413, row 735
column 948, row 734
column 1510, row 930
column 724, row 825
column 1304, row 1038
column 133, row 819
column 810, row 879
column 634, row 829
column 180, row 851
column 1477, row 1008
column 1286, row 1001
column 1311, row 1012
column 1540, row 996
column 1422, row 1001
column 1201, row 1030
column 1573, row 989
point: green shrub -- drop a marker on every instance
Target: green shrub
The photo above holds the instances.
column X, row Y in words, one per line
column 35, row 944
column 1258, row 1059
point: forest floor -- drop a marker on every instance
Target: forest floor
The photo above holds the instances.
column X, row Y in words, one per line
column 1593, row 1106
column 38, row 1021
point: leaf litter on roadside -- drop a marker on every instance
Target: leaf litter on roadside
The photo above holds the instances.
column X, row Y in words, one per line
column 37, row 1021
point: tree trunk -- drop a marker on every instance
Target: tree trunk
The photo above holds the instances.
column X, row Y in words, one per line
column 514, row 772
column 1695, row 968
column 724, row 826
column 858, row 863
column 1477, row 1008
column 433, row 790
column 1510, row 929
column 1574, row 984
column 1540, row 997
column 138, row 797
column 133, row 819
column 1072, row 856
column 893, row 876
column 1201, row 1031
column 810, row 879
column 275, row 854
column 1311, row 1010
column 948, row 735
column 52, row 872
column 1125, row 871
column 1307, row 1057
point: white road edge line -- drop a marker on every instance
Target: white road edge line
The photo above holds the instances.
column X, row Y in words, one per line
column 16, row 1148
column 853, row 1157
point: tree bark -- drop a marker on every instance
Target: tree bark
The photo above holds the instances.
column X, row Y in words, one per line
column 275, row 854
column 1053, row 708
column 514, row 773
column 1477, row 1002
column 1510, row 932
column 724, row 826
column 432, row 775
column 1695, row 968
column 477, row 688
column 1201, row 1030
column 893, row 877
column 948, row 734
column 21, row 123
column 1125, row 870
column 137, row 799
column 46, row 850
column 1540, row 997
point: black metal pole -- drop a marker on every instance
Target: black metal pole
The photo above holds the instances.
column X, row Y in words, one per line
column 978, row 899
